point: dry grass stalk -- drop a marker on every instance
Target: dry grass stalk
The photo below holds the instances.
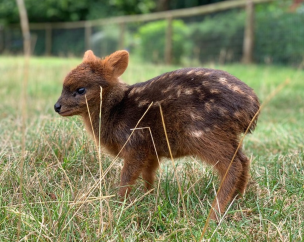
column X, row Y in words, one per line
column 27, row 53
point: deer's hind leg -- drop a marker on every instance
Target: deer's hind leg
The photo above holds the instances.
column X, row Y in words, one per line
column 229, row 184
column 244, row 177
column 220, row 154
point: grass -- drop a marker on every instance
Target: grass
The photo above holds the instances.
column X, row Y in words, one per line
column 61, row 165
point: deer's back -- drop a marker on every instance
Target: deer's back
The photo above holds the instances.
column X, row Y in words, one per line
column 198, row 104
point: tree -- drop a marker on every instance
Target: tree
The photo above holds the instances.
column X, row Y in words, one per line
column 71, row 10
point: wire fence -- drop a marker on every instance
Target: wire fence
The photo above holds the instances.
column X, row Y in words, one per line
column 211, row 34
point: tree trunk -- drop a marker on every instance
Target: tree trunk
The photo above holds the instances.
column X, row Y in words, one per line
column 249, row 34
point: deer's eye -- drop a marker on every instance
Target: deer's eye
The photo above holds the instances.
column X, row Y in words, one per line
column 81, row 90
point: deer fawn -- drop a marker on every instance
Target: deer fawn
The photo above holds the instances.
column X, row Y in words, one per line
column 205, row 111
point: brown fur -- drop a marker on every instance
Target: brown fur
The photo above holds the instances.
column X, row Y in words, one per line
column 205, row 111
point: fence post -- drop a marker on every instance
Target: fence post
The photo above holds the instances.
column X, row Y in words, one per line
column 122, row 36
column 48, row 40
column 168, row 47
column 1, row 38
column 87, row 37
column 249, row 34
column 25, row 28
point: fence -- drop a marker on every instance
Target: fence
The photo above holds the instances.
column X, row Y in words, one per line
column 169, row 37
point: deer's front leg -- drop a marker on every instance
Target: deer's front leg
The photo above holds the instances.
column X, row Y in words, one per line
column 130, row 172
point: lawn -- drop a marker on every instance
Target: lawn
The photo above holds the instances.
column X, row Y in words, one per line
column 61, row 166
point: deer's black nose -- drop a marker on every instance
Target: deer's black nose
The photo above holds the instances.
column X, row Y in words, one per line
column 57, row 107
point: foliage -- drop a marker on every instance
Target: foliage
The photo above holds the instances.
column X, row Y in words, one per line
column 218, row 37
column 105, row 40
column 69, row 42
column 69, row 10
column 44, row 11
column 152, row 41
column 278, row 6
column 279, row 37
column 130, row 7
column 178, row 4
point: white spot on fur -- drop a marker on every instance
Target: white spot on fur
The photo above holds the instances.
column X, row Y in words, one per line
column 197, row 133
column 237, row 89
column 171, row 74
column 251, row 98
column 223, row 80
column 190, row 72
column 237, row 114
column 168, row 89
column 136, row 90
column 179, row 91
column 143, row 103
column 199, row 73
column 222, row 111
column 208, row 107
column 188, row 91
column 196, row 117
column 205, row 83
column 215, row 91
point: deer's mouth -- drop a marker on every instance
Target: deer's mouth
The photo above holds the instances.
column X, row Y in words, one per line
column 66, row 113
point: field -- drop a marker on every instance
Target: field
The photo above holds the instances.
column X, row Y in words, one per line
column 61, row 166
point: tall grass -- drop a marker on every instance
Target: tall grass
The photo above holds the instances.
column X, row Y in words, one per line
column 61, row 166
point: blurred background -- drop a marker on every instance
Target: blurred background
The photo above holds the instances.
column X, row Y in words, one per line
column 161, row 31
column 48, row 163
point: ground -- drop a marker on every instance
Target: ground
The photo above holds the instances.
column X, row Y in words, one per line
column 61, row 167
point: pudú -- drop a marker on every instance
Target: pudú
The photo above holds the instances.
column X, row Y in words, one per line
column 204, row 110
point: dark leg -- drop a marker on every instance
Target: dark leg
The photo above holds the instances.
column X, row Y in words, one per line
column 148, row 173
column 242, row 184
column 229, row 184
column 218, row 151
column 129, row 174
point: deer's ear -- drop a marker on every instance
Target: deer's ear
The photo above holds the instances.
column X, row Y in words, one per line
column 117, row 62
column 89, row 56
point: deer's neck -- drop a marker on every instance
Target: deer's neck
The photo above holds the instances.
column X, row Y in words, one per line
column 100, row 120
